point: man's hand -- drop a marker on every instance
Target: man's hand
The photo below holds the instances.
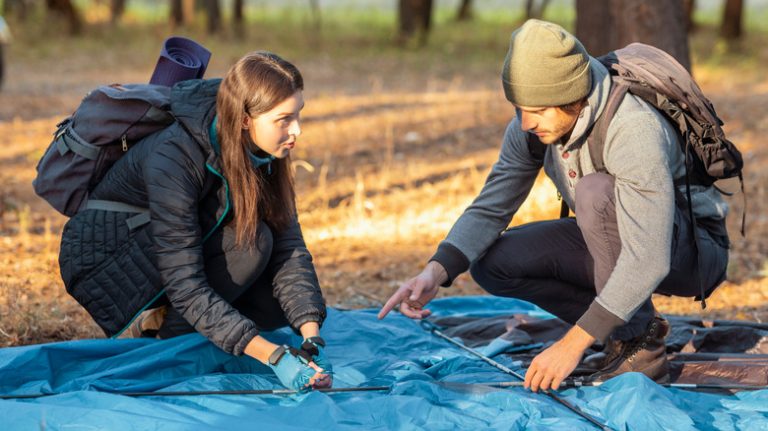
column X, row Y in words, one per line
column 415, row 294
column 550, row 367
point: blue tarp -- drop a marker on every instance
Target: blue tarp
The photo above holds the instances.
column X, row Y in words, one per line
column 431, row 386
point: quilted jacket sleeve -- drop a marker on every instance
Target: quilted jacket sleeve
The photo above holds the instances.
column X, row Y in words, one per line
column 174, row 177
column 295, row 282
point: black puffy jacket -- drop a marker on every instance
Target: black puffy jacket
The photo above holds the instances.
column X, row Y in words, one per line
column 115, row 273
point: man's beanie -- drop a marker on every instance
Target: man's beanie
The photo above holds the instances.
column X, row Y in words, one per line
column 545, row 66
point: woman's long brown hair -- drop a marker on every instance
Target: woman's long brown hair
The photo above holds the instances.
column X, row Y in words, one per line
column 254, row 85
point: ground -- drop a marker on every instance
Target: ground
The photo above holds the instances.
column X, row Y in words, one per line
column 396, row 144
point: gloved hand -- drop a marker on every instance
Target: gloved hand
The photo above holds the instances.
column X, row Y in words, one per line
column 292, row 367
column 314, row 347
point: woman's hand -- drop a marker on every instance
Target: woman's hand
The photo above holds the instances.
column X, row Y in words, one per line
column 291, row 372
column 314, row 346
column 294, row 369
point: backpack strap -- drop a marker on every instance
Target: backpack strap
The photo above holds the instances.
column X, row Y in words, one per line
column 596, row 138
column 140, row 219
column 596, row 143
column 66, row 140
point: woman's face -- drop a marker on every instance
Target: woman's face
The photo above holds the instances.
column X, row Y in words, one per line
column 275, row 131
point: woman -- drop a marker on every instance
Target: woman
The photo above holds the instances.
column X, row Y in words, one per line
column 222, row 246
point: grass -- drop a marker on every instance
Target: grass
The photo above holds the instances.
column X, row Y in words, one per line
column 396, row 143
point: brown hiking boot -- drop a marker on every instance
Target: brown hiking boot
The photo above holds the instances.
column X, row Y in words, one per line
column 598, row 361
column 147, row 324
column 645, row 354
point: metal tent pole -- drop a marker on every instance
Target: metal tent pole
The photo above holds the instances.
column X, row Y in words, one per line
column 193, row 393
column 432, row 328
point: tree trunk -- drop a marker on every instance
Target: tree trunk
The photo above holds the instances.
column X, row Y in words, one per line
column 177, row 14
column 213, row 11
column 17, row 8
column 535, row 9
column 689, row 6
column 465, row 11
column 117, row 9
column 660, row 23
column 65, row 9
column 237, row 18
column 731, row 27
column 317, row 22
column 414, row 16
column 593, row 29
column 182, row 12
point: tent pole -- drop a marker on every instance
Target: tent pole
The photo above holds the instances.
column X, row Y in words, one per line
column 580, row 384
column 193, row 393
column 433, row 329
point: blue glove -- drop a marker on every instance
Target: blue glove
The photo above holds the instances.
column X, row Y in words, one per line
column 314, row 346
column 291, row 367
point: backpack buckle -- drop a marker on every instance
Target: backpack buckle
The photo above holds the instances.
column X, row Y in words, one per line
column 61, row 128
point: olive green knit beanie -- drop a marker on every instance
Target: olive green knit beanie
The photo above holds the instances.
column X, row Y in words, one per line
column 545, row 66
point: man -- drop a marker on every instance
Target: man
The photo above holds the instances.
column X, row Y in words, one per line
column 630, row 237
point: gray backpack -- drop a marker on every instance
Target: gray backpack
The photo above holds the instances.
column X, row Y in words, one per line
column 109, row 120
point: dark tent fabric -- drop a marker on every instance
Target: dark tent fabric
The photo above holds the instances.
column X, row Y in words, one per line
column 433, row 384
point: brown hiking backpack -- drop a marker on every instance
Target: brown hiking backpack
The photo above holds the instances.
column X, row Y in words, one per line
column 656, row 77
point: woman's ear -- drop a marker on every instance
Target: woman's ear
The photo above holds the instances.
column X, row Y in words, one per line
column 246, row 122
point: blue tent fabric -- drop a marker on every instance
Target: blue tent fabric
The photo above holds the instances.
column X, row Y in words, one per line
column 432, row 386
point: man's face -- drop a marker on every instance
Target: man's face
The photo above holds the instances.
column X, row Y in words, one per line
column 550, row 124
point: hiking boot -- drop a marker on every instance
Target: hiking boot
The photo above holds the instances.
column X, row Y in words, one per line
column 599, row 360
column 147, row 324
column 645, row 354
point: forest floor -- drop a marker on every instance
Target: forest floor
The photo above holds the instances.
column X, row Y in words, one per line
column 396, row 144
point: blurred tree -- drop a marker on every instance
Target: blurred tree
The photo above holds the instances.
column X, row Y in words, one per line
column 17, row 8
column 414, row 16
column 605, row 25
column 465, row 11
column 237, row 18
column 317, row 22
column 213, row 13
column 535, row 8
column 732, row 13
column 690, row 6
column 182, row 12
column 117, row 8
column 65, row 9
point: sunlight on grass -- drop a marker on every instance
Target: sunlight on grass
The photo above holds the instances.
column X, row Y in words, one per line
column 396, row 143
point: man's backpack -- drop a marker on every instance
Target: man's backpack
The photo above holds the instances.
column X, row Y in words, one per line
column 109, row 120
column 656, row 77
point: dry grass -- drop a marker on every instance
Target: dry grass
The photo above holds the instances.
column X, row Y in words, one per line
column 382, row 173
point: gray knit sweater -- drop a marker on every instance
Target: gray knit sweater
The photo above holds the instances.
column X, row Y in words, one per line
column 641, row 152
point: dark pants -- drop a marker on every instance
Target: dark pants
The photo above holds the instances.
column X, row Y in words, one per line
column 240, row 277
column 562, row 265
